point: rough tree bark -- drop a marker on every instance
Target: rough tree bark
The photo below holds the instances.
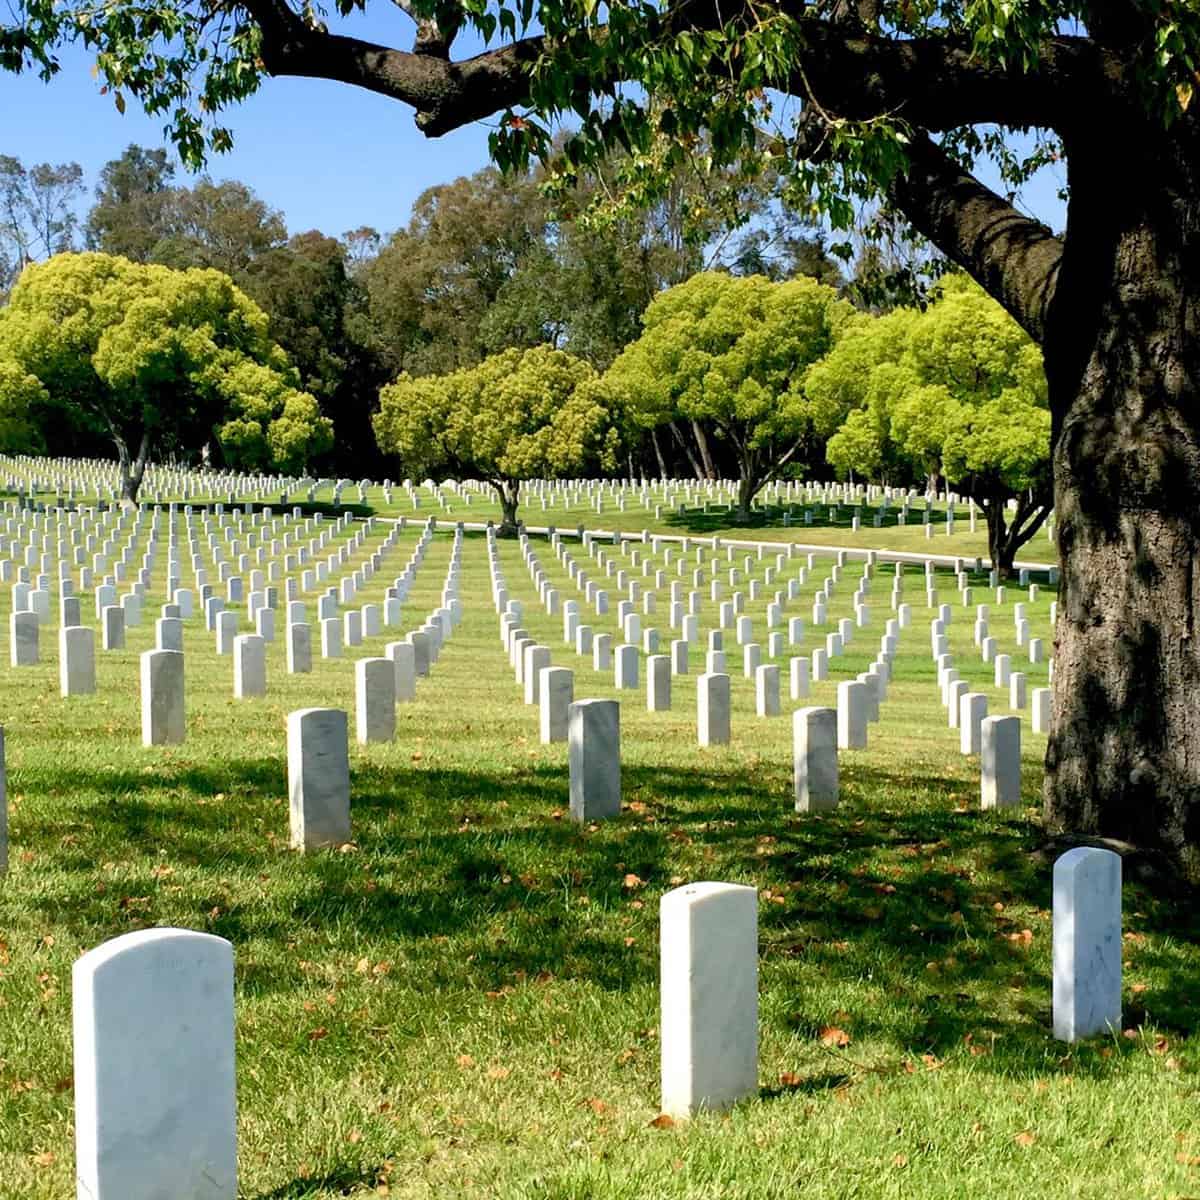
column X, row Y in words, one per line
column 508, row 492
column 1123, row 364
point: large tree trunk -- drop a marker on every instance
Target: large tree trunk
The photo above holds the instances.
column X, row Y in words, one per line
column 1006, row 537
column 508, row 495
column 697, row 470
column 132, row 470
column 1123, row 363
column 748, row 486
column 658, row 454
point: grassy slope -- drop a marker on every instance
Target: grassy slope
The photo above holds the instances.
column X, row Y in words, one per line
column 465, row 1003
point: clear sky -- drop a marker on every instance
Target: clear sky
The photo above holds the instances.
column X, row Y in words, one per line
column 330, row 157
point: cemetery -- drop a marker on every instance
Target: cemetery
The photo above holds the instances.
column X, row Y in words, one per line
column 629, row 634
column 383, row 856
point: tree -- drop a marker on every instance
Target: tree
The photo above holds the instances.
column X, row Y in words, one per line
column 897, row 101
column 156, row 359
column 223, row 225
column 431, row 287
column 857, row 374
column 979, row 404
column 133, row 211
column 520, row 414
column 957, row 391
column 729, row 355
column 37, row 213
column 20, row 395
column 316, row 312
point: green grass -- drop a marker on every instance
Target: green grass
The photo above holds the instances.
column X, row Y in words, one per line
column 464, row 1002
column 767, row 524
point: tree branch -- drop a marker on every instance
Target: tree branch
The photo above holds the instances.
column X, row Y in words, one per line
column 940, row 83
column 936, row 83
column 432, row 37
column 1015, row 258
column 445, row 94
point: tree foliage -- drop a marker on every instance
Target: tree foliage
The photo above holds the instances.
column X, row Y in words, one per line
column 155, row 359
column 728, row 356
column 37, row 213
column 861, row 105
column 520, row 414
column 957, row 391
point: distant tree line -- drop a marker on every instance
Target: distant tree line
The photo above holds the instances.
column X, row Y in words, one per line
column 484, row 264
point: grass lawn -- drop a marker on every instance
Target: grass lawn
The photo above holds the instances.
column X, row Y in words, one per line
column 464, row 1002
column 831, row 526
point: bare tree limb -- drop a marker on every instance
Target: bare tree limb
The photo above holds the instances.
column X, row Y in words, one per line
column 1015, row 258
column 433, row 37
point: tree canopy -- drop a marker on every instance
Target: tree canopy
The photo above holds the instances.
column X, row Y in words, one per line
column 725, row 359
column 955, row 392
column 520, row 414
column 154, row 359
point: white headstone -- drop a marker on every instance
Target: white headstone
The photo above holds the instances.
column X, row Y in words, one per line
column 814, row 759
column 163, row 707
column 76, row 661
column 713, row 708
column 852, row 715
column 709, row 996
column 1087, row 943
column 556, row 692
column 155, row 1102
column 1000, row 762
column 594, row 759
column 318, row 777
column 375, row 700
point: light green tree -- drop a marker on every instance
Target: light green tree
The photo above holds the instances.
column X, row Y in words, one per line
column 857, row 448
column 20, row 394
column 518, row 415
column 846, row 378
column 730, row 355
column 157, row 359
column 957, row 391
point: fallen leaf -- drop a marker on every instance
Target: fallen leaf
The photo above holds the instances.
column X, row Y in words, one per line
column 831, row 1035
column 1025, row 1138
column 662, row 1121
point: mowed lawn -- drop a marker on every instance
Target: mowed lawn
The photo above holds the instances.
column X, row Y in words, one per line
column 832, row 524
column 464, row 1001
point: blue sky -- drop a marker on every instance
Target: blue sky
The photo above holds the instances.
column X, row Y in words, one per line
column 330, row 157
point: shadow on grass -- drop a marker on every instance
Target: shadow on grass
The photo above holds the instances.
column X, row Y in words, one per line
column 912, row 897
column 718, row 520
column 341, row 1181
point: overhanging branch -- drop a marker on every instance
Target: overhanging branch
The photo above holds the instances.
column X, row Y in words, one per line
column 1015, row 258
column 935, row 83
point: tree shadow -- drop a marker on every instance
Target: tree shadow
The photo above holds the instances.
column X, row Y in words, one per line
column 916, row 897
